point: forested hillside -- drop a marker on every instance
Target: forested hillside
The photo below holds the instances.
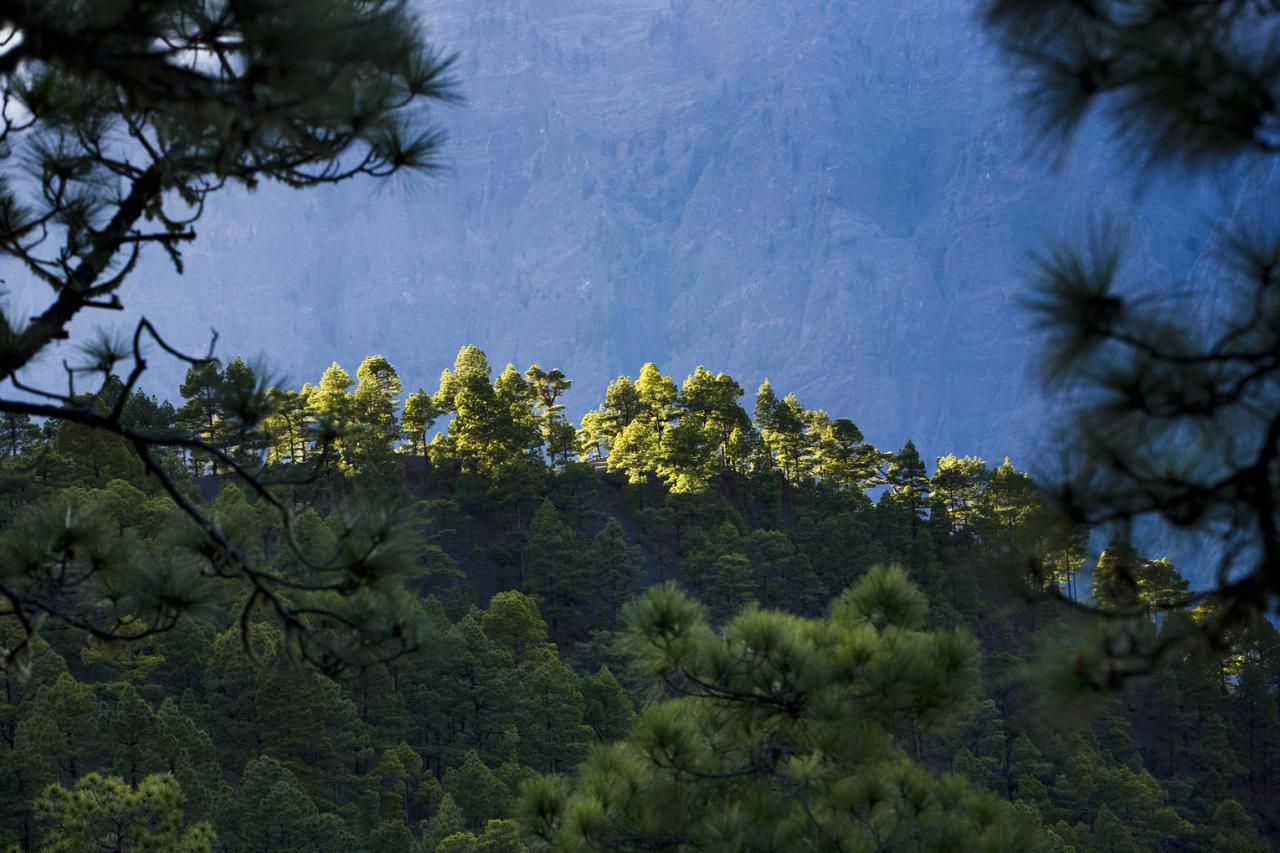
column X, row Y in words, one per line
column 677, row 624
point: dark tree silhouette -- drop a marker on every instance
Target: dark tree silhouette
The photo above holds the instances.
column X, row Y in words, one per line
column 1177, row 410
column 118, row 121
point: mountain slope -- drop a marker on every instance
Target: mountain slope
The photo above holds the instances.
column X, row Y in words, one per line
column 833, row 195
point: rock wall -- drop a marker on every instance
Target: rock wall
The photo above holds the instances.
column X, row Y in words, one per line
column 840, row 196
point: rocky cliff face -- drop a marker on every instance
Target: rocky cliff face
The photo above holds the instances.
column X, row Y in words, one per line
column 836, row 195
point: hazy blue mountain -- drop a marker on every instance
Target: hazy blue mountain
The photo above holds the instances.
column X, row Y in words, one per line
column 836, row 195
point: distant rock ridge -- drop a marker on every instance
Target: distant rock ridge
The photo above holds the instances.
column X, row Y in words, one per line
column 833, row 195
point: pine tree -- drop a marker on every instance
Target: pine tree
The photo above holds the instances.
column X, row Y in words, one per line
column 407, row 789
column 1110, row 835
column 61, row 731
column 104, row 813
column 1161, row 587
column 512, row 621
column 730, row 585
column 641, row 429
column 501, row 836
column 782, row 426
column 785, row 577
column 657, row 396
column 391, row 836
column 710, row 401
column 378, row 703
column 909, row 484
column 447, row 822
column 686, row 458
column 704, row 548
column 1232, row 831
column 464, row 695
column 521, row 436
column 957, row 487
column 772, row 742
column 378, row 388
column 557, row 570
column 420, row 414
column 636, row 451
column 479, row 794
column 23, row 773
column 982, row 757
column 202, row 389
column 288, row 426
column 271, row 811
column 17, row 434
column 129, row 729
column 546, row 387
column 1171, row 417
column 843, row 459
column 600, row 428
column 97, row 456
column 553, row 736
column 606, row 707
column 1031, row 772
column 616, row 570
column 1257, row 732
column 183, row 748
column 1115, row 578
column 243, row 405
column 332, row 405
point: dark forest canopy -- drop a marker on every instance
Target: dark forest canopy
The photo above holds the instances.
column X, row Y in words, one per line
column 775, row 683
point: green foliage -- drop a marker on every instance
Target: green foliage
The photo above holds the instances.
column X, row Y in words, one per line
column 105, row 813
column 420, row 414
column 376, row 400
column 956, row 488
column 61, row 731
column 780, row 734
column 1232, row 831
column 823, row 716
column 782, row 428
column 494, row 424
column 606, row 707
column 553, row 734
column 120, row 145
column 1171, row 415
column 448, row 822
column 615, row 567
column 513, row 622
column 557, row 569
column 128, row 727
column 544, row 389
column 479, row 794
column 981, row 757
column 17, row 434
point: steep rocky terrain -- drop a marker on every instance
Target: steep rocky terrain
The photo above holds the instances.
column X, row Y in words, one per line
column 836, row 195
